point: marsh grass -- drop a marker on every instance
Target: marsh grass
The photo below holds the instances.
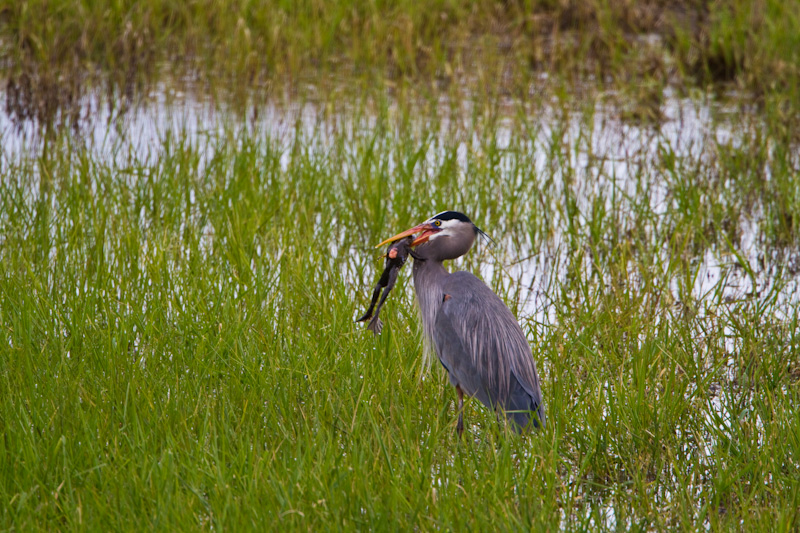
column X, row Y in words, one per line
column 178, row 347
column 58, row 51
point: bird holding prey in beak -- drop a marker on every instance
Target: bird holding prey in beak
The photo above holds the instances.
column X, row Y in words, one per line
column 474, row 334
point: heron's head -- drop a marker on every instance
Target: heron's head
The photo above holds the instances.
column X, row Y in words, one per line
column 447, row 235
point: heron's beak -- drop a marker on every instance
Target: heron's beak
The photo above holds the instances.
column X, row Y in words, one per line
column 425, row 228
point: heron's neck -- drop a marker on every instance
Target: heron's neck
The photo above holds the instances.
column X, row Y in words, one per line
column 429, row 277
column 428, row 272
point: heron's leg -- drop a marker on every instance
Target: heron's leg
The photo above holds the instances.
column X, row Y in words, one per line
column 460, row 425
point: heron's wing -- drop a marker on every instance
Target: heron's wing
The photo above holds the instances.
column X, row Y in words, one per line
column 482, row 345
column 453, row 349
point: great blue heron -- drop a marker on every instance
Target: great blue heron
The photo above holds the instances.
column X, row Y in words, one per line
column 476, row 338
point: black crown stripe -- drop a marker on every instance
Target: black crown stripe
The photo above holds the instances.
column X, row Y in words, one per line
column 452, row 215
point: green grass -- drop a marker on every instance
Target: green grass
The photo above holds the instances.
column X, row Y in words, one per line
column 178, row 351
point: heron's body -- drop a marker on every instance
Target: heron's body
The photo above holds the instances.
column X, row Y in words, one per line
column 478, row 341
column 475, row 335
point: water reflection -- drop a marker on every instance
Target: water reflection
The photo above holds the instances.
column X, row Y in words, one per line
column 587, row 161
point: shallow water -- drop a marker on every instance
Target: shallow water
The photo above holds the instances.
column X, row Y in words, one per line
column 605, row 160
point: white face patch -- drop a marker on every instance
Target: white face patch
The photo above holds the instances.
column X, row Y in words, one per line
column 446, row 228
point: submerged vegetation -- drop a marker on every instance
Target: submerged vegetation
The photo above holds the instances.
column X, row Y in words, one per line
column 177, row 295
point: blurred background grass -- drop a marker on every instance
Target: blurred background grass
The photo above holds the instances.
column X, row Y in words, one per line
column 54, row 49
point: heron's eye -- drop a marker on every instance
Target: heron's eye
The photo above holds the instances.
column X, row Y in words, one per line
column 437, row 223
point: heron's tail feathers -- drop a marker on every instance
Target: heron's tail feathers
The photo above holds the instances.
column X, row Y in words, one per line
column 523, row 410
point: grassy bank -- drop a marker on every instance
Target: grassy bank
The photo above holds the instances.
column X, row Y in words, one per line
column 178, row 349
column 55, row 49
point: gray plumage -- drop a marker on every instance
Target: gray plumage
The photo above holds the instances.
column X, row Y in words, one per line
column 474, row 334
